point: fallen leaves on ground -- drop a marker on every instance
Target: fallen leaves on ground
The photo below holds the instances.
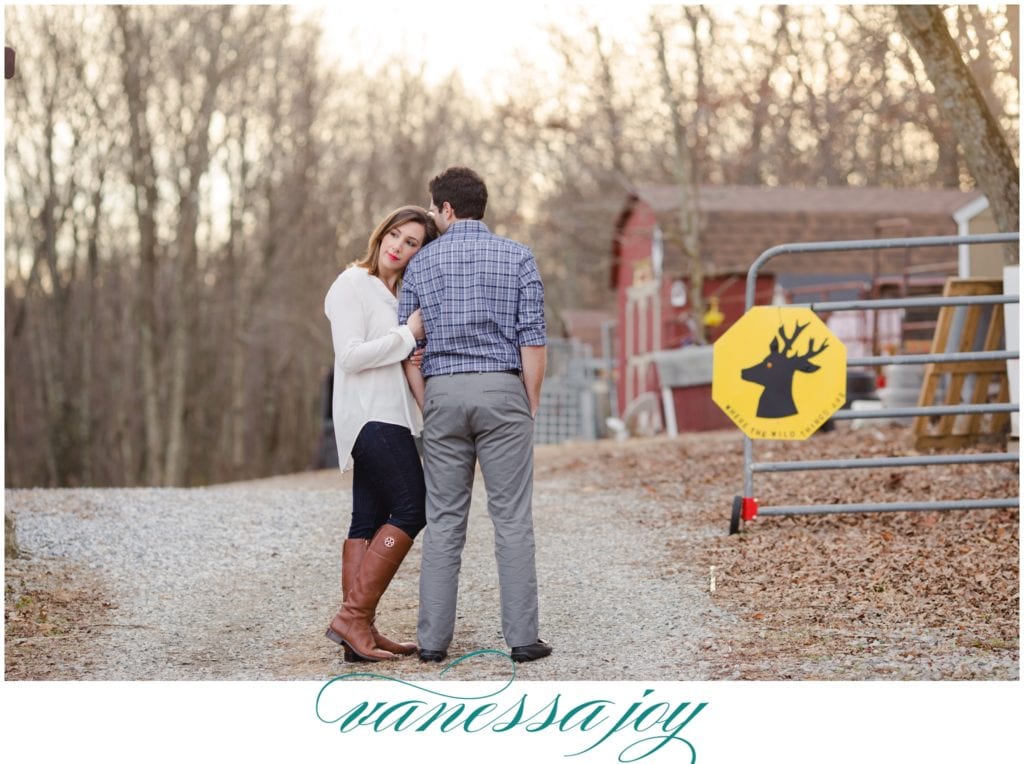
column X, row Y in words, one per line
column 50, row 606
column 880, row 595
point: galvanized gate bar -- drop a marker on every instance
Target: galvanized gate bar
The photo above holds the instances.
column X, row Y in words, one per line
column 884, row 461
column 908, row 302
column 746, row 507
column 845, row 246
column 748, row 474
column 894, row 506
column 964, row 408
column 974, row 355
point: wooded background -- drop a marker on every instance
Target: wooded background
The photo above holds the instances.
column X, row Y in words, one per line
column 184, row 183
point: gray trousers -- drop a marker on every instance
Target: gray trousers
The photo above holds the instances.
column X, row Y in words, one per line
column 470, row 417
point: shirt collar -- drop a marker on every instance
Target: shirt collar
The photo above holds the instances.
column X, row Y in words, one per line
column 467, row 226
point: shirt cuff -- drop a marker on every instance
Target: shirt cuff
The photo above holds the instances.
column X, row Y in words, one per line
column 405, row 333
column 532, row 338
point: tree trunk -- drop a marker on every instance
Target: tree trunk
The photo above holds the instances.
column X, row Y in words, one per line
column 238, row 311
column 143, row 179
column 1013, row 29
column 59, row 423
column 85, row 408
column 43, row 374
column 182, row 301
column 125, row 398
column 611, row 114
column 183, row 296
column 11, row 550
column 947, row 168
column 985, row 149
column 752, row 170
column 701, row 119
column 687, row 238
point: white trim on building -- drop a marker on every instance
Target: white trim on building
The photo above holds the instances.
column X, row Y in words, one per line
column 963, row 217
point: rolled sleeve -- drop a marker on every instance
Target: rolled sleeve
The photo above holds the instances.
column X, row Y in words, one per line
column 531, row 329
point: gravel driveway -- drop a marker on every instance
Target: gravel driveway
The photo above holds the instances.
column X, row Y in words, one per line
column 238, row 582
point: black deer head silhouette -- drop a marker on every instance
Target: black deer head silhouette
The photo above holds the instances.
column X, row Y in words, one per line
column 776, row 372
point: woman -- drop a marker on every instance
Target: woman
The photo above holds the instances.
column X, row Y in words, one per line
column 375, row 419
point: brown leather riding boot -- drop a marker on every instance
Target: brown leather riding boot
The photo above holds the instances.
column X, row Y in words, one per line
column 352, row 625
column 352, row 553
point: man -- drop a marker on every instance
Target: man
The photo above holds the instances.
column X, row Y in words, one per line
column 479, row 388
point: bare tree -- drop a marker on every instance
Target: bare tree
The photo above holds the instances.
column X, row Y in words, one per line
column 1012, row 27
column 57, row 159
column 136, row 63
column 985, row 148
column 758, row 104
column 685, row 234
column 184, row 183
column 224, row 42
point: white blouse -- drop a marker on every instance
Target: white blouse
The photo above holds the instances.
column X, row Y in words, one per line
column 369, row 346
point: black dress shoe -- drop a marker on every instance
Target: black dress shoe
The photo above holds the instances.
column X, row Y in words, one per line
column 433, row 656
column 539, row 649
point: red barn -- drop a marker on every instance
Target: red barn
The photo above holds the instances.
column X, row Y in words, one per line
column 738, row 224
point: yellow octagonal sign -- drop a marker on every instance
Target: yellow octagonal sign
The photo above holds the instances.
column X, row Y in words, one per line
column 779, row 373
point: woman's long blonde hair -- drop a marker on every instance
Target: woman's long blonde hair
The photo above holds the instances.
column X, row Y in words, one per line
column 408, row 214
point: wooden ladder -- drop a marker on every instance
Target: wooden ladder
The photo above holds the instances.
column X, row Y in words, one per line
column 973, row 328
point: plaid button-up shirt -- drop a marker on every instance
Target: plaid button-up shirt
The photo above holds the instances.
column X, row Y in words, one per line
column 482, row 299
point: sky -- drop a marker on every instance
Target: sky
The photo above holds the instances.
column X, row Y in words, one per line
column 478, row 40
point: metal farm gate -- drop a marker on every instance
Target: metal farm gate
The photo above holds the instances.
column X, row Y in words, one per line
column 746, row 507
column 570, row 402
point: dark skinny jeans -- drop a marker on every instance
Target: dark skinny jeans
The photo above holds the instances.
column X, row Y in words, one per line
column 387, row 481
